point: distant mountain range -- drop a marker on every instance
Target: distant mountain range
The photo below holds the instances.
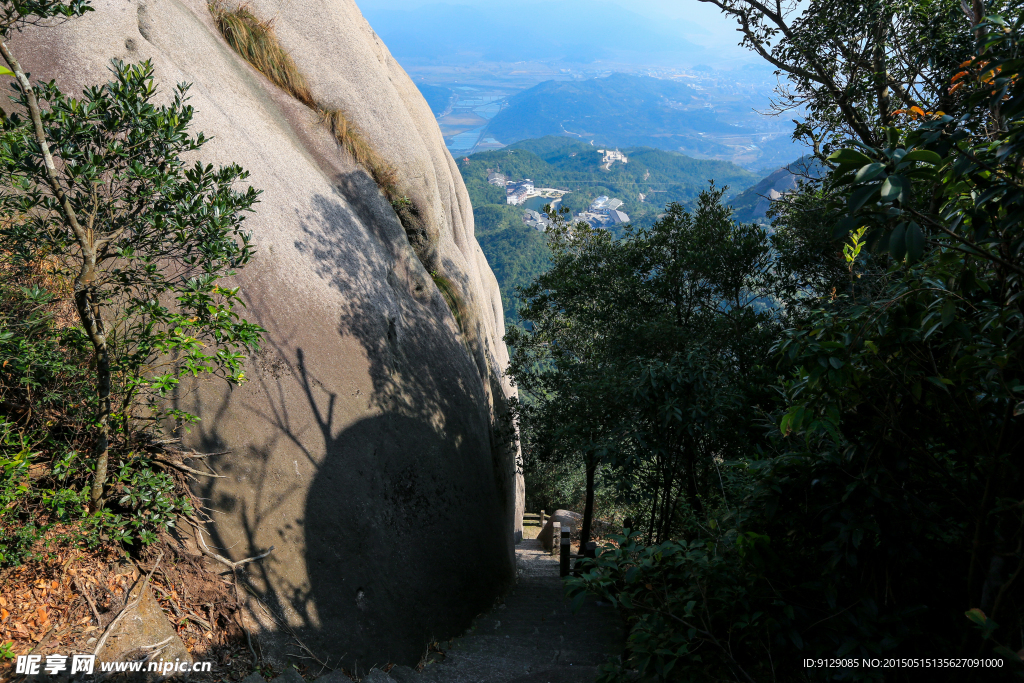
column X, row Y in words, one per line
column 630, row 111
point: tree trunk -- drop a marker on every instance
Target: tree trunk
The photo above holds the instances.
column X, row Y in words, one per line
column 85, row 300
column 89, row 314
column 588, row 508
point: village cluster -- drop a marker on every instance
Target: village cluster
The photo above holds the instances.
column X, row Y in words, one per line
column 602, row 212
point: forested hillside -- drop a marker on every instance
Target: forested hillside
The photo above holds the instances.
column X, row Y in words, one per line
column 517, row 253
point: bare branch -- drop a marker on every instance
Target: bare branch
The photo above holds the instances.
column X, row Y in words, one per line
column 88, row 598
column 186, row 468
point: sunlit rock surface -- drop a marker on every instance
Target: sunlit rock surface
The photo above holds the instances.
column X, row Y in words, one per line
column 366, row 445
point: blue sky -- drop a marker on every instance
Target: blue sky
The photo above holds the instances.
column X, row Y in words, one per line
column 693, row 21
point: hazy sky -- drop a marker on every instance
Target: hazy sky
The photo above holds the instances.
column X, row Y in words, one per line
column 698, row 22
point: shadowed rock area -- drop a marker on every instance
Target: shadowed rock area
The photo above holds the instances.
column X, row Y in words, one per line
column 367, row 446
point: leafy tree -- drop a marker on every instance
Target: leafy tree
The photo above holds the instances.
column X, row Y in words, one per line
column 852, row 65
column 894, row 447
column 638, row 353
column 96, row 187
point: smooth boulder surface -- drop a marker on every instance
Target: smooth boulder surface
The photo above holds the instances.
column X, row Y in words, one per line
column 367, row 446
column 563, row 517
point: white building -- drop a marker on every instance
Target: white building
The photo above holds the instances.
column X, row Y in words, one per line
column 516, row 193
column 618, row 217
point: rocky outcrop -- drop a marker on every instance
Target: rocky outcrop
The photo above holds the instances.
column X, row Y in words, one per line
column 753, row 203
column 144, row 633
column 563, row 517
column 367, row 445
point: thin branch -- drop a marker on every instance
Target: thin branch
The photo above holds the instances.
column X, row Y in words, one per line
column 88, row 598
column 186, row 468
column 220, row 558
column 40, row 134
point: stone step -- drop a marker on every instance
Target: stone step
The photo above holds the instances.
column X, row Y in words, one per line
column 533, row 637
column 579, row 643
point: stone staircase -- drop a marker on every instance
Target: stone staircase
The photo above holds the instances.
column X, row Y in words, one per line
column 531, row 519
column 533, row 637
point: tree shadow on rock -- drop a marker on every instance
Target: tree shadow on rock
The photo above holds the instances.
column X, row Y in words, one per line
column 403, row 520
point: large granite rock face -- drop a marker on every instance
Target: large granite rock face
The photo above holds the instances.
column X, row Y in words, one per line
column 365, row 446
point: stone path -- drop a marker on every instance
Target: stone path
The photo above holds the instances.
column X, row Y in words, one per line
column 534, row 637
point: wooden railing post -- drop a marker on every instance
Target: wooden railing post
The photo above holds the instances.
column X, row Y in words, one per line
column 564, row 552
column 541, row 519
column 556, row 536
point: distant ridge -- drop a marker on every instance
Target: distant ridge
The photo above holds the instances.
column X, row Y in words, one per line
column 624, row 110
column 752, row 204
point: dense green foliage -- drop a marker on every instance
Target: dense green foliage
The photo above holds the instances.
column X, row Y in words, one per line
column 816, row 430
column 515, row 252
column 113, row 254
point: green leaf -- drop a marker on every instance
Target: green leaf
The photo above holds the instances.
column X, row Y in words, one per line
column 861, row 195
column 897, row 242
column 948, row 312
column 915, row 242
column 786, row 425
column 849, row 156
column 895, row 187
column 986, row 625
column 925, row 155
column 869, row 172
column 4, row 71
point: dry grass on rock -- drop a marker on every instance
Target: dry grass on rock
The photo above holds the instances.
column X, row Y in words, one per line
column 256, row 42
